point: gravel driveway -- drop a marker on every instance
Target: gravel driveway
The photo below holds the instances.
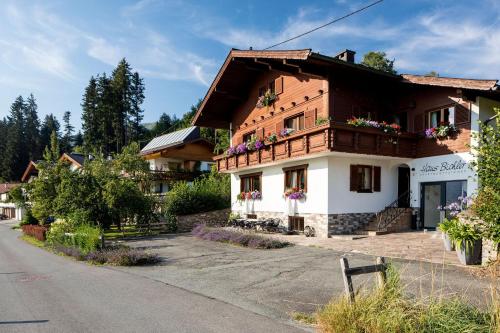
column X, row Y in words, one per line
column 277, row 282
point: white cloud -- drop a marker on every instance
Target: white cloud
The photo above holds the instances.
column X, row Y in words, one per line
column 445, row 40
column 102, row 50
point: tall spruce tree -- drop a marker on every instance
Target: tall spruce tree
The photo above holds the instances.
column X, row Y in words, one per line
column 15, row 157
column 122, row 91
column 32, row 129
column 50, row 124
column 92, row 137
column 136, row 112
column 111, row 110
column 67, row 138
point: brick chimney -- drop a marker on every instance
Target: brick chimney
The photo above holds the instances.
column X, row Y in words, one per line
column 347, row 56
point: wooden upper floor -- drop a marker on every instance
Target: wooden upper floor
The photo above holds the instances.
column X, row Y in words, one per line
column 261, row 93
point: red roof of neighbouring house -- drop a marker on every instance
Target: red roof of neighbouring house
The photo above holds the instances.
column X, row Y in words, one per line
column 6, row 187
column 451, row 82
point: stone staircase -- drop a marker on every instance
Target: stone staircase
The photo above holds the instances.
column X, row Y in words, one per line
column 401, row 222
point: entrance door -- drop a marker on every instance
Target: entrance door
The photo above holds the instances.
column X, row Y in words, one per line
column 404, row 187
column 432, row 198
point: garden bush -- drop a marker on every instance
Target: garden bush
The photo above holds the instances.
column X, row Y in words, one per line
column 387, row 310
column 83, row 237
column 237, row 238
column 37, row 231
column 28, row 219
column 210, row 192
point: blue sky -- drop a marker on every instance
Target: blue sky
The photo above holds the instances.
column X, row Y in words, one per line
column 52, row 47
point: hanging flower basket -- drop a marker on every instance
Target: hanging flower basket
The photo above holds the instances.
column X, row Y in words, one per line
column 266, row 100
column 294, row 194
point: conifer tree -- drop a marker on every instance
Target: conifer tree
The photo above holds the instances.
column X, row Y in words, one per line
column 135, row 112
column 67, row 139
column 90, row 121
column 50, row 124
column 52, row 152
column 15, row 157
column 32, row 129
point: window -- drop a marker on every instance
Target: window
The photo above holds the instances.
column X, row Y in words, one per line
column 296, row 177
column 249, row 183
column 295, row 122
column 437, row 117
column 296, row 223
column 248, row 136
column 270, row 86
column 174, row 166
column 365, row 178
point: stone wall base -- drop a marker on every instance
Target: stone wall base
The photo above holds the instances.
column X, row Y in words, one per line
column 185, row 223
column 489, row 252
column 341, row 224
column 324, row 224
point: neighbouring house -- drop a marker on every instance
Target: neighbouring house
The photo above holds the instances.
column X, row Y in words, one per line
column 9, row 210
column 75, row 160
column 322, row 142
column 178, row 156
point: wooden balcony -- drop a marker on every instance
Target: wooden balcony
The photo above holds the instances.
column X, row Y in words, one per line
column 177, row 175
column 329, row 137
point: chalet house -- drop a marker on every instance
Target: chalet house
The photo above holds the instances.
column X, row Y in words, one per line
column 8, row 209
column 323, row 142
column 178, row 156
column 75, row 160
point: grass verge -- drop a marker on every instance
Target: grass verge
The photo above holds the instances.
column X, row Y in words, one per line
column 306, row 318
column 387, row 310
column 237, row 238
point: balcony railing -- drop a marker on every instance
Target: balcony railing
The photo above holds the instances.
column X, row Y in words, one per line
column 176, row 175
column 328, row 137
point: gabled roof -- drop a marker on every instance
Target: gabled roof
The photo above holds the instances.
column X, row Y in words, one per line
column 31, row 169
column 6, row 187
column 242, row 67
column 173, row 139
column 452, row 82
column 75, row 158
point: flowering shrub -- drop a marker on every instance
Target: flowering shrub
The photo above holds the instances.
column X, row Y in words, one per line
column 383, row 126
column 295, row 193
column 267, row 99
column 440, row 132
column 286, row 132
column 237, row 238
column 253, row 195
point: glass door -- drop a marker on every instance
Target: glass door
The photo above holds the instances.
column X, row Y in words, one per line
column 432, row 199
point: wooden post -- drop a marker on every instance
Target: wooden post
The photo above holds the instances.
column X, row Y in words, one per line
column 381, row 275
column 349, row 289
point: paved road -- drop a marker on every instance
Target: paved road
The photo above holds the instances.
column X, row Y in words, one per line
column 42, row 292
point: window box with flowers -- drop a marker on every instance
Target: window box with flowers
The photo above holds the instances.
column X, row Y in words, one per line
column 253, row 144
column 266, row 99
column 393, row 128
column 443, row 131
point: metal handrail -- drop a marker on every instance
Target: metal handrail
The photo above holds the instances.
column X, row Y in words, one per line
column 390, row 213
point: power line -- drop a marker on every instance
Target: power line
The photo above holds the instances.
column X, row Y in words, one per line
column 326, row 24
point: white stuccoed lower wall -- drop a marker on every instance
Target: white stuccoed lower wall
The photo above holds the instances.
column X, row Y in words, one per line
column 342, row 200
column 273, row 188
column 328, row 192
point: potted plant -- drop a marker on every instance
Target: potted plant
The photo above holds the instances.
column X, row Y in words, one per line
column 266, row 100
column 446, row 227
column 468, row 242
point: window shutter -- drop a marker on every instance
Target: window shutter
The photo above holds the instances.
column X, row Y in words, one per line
column 354, row 178
column 462, row 115
column 278, row 85
column 418, row 124
column 260, row 133
column 376, row 178
column 279, row 125
column 309, row 118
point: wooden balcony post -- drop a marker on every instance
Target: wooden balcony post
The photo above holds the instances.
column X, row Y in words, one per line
column 356, row 141
column 306, row 143
column 272, row 152
column 287, row 148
